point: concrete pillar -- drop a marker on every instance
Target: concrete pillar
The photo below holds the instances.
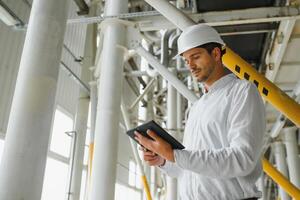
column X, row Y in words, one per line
column 280, row 160
column 292, row 151
column 171, row 126
column 26, row 145
column 108, row 108
column 83, row 108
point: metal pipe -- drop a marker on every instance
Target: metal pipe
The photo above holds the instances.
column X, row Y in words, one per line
column 139, row 98
column 279, row 153
column 83, row 7
column 280, row 179
column 180, row 113
column 93, row 114
column 76, row 78
column 164, row 47
column 135, row 153
column 25, row 152
column 149, row 69
column 109, row 100
column 276, row 53
column 10, row 19
column 83, row 108
column 171, row 125
column 290, row 140
column 178, row 18
column 72, row 161
column 153, row 21
column 167, row 74
column 138, row 73
column 238, row 66
column 194, row 6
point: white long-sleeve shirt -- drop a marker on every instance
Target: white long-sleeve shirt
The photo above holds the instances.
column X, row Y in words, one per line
column 223, row 139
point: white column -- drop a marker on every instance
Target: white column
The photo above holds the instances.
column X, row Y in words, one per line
column 83, row 108
column 24, row 157
column 171, row 126
column 292, row 151
column 280, row 160
column 108, row 108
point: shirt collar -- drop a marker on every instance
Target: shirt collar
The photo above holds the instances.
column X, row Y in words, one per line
column 219, row 83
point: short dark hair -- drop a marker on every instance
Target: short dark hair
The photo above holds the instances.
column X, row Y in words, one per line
column 210, row 46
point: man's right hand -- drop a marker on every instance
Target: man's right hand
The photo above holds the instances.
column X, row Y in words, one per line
column 153, row 159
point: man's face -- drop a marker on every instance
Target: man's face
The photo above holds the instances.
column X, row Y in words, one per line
column 200, row 63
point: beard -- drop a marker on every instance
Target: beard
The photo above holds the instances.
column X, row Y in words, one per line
column 206, row 74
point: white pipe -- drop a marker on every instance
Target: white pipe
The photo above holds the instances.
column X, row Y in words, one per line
column 167, row 74
column 80, row 127
column 149, row 69
column 171, row 125
column 140, row 97
column 71, row 162
column 153, row 181
column 279, row 153
column 132, row 143
column 24, row 157
column 83, row 109
column 178, row 18
column 180, row 112
column 109, row 100
column 93, row 114
column 293, row 161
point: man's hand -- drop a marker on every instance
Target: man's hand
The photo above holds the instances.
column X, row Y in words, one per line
column 153, row 159
column 157, row 145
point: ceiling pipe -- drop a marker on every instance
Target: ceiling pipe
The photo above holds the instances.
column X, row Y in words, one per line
column 83, row 7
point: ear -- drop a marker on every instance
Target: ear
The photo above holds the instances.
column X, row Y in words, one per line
column 216, row 54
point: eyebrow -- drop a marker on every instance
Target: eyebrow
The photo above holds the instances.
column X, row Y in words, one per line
column 193, row 55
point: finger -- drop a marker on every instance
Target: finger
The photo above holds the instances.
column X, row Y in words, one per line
column 154, row 162
column 144, row 141
column 149, row 153
column 152, row 134
column 143, row 149
column 136, row 133
column 139, row 136
column 150, row 158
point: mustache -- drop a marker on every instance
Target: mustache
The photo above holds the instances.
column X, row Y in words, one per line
column 195, row 71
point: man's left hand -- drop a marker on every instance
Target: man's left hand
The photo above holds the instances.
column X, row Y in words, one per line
column 157, row 145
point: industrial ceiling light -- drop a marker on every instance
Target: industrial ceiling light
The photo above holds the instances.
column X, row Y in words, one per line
column 7, row 16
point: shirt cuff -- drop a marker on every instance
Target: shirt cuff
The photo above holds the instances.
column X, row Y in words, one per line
column 181, row 157
column 166, row 166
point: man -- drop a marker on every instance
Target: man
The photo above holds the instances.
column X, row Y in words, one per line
column 223, row 134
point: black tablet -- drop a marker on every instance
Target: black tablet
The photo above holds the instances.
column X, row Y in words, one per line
column 152, row 125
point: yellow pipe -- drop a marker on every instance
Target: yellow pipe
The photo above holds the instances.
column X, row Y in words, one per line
column 280, row 100
column 91, row 154
column 281, row 180
column 146, row 187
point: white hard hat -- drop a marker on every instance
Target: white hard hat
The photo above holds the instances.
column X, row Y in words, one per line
column 197, row 35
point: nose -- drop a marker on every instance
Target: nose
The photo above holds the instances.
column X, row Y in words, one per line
column 192, row 66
